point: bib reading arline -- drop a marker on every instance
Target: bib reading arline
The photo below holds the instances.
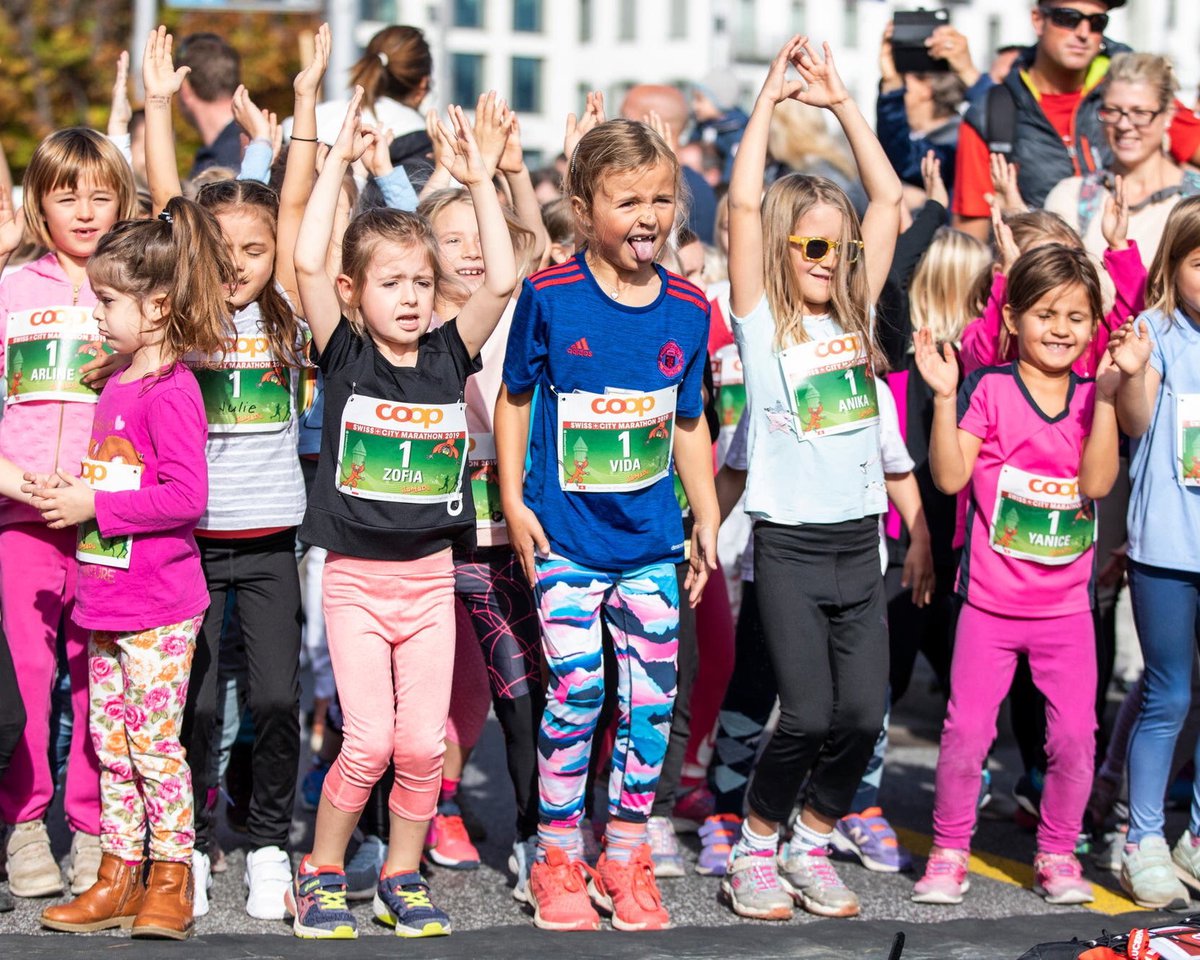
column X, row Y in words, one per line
column 90, row 546
column 830, row 386
column 731, row 385
column 1187, row 438
column 44, row 350
column 248, row 392
column 1043, row 519
column 614, row 441
column 485, row 480
column 402, row 452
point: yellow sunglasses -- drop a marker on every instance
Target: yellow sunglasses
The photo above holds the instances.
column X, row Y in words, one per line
column 816, row 249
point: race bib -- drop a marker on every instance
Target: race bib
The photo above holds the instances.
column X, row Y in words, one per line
column 402, row 452
column 1043, row 519
column 1187, row 440
column 830, row 386
column 485, row 480
column 90, row 546
column 609, row 442
column 731, row 385
column 248, row 392
column 44, row 350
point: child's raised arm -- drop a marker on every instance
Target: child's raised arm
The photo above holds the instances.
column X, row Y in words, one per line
column 162, row 81
column 1131, row 346
column 952, row 451
column 1098, row 465
column 525, row 201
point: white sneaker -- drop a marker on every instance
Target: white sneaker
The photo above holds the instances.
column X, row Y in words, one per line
column 202, row 880
column 268, row 875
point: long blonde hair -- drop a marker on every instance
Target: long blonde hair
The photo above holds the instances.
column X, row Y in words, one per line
column 944, row 295
column 787, row 200
column 1180, row 237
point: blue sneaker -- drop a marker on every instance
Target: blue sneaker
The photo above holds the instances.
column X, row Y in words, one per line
column 402, row 901
column 310, row 786
column 362, row 872
column 870, row 839
column 318, row 904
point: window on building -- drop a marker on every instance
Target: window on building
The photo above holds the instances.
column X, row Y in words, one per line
column 466, row 77
column 585, row 21
column 678, row 29
column 381, row 11
column 526, row 84
column 627, row 20
column 799, row 16
column 527, row 16
column 468, row 13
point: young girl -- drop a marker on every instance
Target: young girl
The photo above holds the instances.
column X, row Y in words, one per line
column 388, row 504
column 1036, row 444
column 247, row 535
column 598, row 506
column 76, row 186
column 803, row 275
column 1157, row 407
column 141, row 589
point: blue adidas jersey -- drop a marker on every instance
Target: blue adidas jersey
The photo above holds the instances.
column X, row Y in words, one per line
column 568, row 335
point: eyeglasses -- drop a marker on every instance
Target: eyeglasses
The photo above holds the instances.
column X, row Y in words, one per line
column 1069, row 18
column 1139, row 118
column 816, row 249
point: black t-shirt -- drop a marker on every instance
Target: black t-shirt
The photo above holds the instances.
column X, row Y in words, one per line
column 379, row 529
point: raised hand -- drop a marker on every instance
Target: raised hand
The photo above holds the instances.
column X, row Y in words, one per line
column 442, row 157
column 352, row 140
column 1004, row 183
column 1108, row 377
column 931, row 174
column 1006, row 246
column 308, row 80
column 825, row 87
column 1130, row 346
column 467, row 166
column 777, row 87
column 593, row 116
column 121, row 111
column 512, row 160
column 656, row 123
column 939, row 370
column 378, row 158
column 256, row 123
column 889, row 76
column 12, row 226
column 492, row 124
column 159, row 76
column 1114, row 225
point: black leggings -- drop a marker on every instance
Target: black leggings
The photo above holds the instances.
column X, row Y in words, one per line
column 820, row 593
column 12, row 707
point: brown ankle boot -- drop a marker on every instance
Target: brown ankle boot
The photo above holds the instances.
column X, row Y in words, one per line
column 112, row 901
column 167, row 908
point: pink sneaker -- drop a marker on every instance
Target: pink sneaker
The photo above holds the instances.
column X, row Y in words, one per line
column 1059, row 878
column 945, row 879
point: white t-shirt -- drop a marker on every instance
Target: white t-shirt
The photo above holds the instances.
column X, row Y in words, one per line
column 398, row 117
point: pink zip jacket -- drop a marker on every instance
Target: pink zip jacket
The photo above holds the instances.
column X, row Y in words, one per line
column 981, row 338
column 40, row 435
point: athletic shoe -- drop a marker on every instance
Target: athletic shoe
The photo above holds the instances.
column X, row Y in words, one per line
column 84, row 870
column 448, row 845
column 559, row 895
column 1028, row 793
column 692, row 809
column 664, row 847
column 945, row 880
column 717, row 837
column 1058, row 877
column 362, row 872
column 809, row 876
column 753, row 889
column 524, row 852
column 985, row 789
column 32, row 869
column 627, row 890
column 476, row 829
column 870, row 839
column 318, row 904
column 402, row 901
column 591, row 841
column 310, row 786
column 269, row 875
column 1186, row 857
column 1148, row 876
column 202, row 882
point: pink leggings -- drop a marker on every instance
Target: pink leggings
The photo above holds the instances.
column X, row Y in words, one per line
column 391, row 640
column 1062, row 658
column 37, row 593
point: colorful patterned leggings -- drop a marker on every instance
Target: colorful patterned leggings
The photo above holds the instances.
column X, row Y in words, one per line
column 642, row 610
column 138, row 685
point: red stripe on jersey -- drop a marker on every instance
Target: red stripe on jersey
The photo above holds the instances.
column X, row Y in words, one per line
column 702, row 304
column 556, row 281
column 552, row 271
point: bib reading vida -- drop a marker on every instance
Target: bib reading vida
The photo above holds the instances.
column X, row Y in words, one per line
column 402, row 452
column 1187, row 438
column 248, row 392
column 1043, row 519
column 90, row 546
column 485, row 481
column 830, row 386
column 44, row 350
column 731, row 385
column 614, row 441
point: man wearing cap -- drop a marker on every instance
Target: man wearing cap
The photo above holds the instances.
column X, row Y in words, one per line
column 1050, row 100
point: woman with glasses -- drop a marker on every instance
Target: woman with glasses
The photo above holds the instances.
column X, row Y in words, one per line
column 1137, row 105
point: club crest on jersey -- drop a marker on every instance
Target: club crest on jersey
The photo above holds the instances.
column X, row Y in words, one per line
column 670, row 360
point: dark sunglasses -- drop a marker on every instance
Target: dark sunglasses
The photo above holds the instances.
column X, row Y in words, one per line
column 816, row 249
column 1069, row 18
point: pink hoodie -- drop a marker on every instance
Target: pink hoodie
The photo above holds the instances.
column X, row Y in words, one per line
column 40, row 435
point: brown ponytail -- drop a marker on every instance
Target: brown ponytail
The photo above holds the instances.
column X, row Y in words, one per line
column 395, row 62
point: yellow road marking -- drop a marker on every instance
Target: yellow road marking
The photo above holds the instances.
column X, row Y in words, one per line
column 995, row 867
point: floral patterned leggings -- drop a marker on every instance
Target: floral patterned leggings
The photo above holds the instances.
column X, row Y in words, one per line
column 138, row 686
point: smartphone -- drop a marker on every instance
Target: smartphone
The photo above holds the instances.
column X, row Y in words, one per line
column 911, row 28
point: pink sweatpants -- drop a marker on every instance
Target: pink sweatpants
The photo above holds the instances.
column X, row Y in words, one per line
column 37, row 593
column 1062, row 658
column 391, row 640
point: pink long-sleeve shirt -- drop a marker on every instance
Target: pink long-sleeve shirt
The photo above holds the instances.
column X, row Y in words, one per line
column 160, row 424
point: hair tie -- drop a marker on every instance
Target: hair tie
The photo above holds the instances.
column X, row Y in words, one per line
column 166, row 217
column 383, row 58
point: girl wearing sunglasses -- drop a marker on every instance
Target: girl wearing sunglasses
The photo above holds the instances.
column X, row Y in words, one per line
column 804, row 273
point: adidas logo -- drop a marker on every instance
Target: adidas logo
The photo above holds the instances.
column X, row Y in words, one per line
column 580, row 348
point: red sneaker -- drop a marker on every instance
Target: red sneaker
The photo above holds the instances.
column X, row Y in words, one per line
column 448, row 845
column 629, row 893
column 559, row 894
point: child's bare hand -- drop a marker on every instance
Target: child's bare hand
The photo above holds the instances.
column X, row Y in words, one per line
column 656, row 123
column 825, row 87
column 918, row 571
column 1114, row 225
column 256, row 123
column 512, row 160
column 466, row 165
column 308, row 81
column 931, row 174
column 121, row 111
column 159, row 77
column 492, row 123
column 939, row 370
column 702, row 562
column 378, row 158
column 1108, row 378
column 1130, row 347
column 1004, row 183
column 593, row 116
column 67, row 504
column 352, row 140
column 777, row 87
column 527, row 537
column 95, row 372
column 12, row 226
column 1006, row 247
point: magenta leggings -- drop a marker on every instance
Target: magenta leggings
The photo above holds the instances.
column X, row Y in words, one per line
column 37, row 593
column 1062, row 659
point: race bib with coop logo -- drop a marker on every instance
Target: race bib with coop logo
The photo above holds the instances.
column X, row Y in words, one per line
column 485, row 480
column 1043, row 519
column 402, row 452
column 1187, row 441
column 731, row 385
column 609, row 442
column 248, row 391
column 90, row 547
column 830, row 386
column 44, row 350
